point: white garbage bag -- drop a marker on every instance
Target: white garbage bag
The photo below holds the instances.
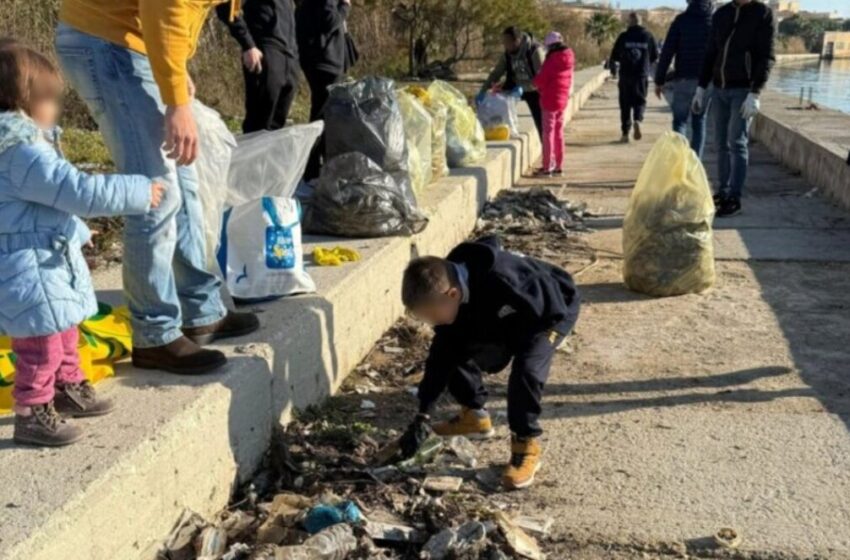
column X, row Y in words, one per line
column 498, row 109
column 216, row 147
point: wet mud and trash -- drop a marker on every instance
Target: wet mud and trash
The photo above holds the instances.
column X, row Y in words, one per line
column 332, row 485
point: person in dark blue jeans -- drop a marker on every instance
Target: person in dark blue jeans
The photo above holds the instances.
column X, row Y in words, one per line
column 738, row 59
column 685, row 42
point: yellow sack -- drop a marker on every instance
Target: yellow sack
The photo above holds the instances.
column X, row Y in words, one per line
column 667, row 240
column 439, row 117
column 417, row 135
column 465, row 143
column 104, row 339
column 498, row 132
column 335, row 256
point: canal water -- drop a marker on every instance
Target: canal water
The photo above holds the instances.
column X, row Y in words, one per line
column 829, row 80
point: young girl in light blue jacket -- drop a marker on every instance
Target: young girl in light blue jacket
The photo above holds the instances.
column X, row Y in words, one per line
column 45, row 287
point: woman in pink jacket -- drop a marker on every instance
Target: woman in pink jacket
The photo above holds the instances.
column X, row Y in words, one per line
column 554, row 82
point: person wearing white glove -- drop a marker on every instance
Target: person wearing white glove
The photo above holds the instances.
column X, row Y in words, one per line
column 698, row 102
column 738, row 59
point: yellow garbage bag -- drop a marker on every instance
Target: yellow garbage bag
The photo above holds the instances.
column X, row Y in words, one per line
column 667, row 239
column 335, row 256
column 498, row 132
column 439, row 117
column 417, row 135
column 465, row 143
column 104, row 339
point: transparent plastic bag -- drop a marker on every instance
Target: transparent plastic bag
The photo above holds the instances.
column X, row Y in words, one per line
column 354, row 197
column 364, row 116
column 270, row 162
column 498, row 110
column 216, row 147
column 417, row 132
column 439, row 117
column 667, row 237
column 465, row 144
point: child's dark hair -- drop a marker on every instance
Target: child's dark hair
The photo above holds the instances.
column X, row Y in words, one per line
column 513, row 32
column 425, row 279
column 26, row 77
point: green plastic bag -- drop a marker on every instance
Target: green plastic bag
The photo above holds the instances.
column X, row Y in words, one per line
column 667, row 237
column 465, row 143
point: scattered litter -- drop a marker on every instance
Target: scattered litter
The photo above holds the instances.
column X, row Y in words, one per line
column 393, row 350
column 237, row 550
column 323, row 516
column 442, row 483
column 531, row 211
column 334, row 543
column 212, row 543
column 727, row 538
column 469, row 537
column 463, row 450
column 367, row 405
column 389, row 532
column 518, row 540
column 180, row 543
column 427, row 453
column 537, row 525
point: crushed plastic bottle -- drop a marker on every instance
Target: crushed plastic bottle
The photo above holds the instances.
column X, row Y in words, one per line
column 464, row 450
column 334, row 543
column 428, row 451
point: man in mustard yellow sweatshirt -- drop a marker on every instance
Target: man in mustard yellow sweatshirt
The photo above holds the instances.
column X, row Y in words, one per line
column 127, row 59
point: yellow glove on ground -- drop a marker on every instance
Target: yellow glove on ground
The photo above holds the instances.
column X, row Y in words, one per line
column 335, row 256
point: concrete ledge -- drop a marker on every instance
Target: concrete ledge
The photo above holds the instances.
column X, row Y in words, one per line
column 786, row 59
column 807, row 141
column 182, row 442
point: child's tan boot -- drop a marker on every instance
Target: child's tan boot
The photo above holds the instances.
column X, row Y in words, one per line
column 474, row 424
column 525, row 462
column 45, row 427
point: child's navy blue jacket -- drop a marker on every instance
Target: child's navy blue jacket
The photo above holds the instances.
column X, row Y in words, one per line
column 512, row 299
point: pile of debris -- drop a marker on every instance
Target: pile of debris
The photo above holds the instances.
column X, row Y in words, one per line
column 531, row 211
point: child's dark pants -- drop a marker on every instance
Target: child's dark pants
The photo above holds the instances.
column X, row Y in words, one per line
column 529, row 372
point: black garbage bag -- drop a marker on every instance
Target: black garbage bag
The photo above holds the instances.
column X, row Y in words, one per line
column 355, row 198
column 364, row 116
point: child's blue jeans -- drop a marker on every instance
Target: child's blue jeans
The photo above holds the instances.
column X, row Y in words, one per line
column 166, row 282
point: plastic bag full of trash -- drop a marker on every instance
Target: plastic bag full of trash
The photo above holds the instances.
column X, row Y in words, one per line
column 417, row 133
column 499, row 110
column 356, row 198
column 216, row 147
column 667, row 236
column 270, row 162
column 364, row 116
column 465, row 143
column 439, row 118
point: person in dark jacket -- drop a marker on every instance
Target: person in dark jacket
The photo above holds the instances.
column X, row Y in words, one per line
column 634, row 51
column 737, row 63
column 520, row 63
column 265, row 30
column 685, row 43
column 489, row 307
column 321, row 30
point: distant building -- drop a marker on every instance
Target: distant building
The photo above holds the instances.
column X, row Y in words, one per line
column 785, row 7
column 836, row 44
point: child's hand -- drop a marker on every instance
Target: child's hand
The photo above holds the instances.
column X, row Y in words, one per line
column 157, row 192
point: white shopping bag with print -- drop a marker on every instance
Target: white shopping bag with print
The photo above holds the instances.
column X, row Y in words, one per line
column 262, row 255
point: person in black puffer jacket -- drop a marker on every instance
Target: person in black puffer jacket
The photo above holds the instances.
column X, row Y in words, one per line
column 737, row 63
column 686, row 42
column 635, row 50
column 266, row 32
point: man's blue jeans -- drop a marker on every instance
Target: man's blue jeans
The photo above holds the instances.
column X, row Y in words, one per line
column 166, row 281
column 732, row 135
column 683, row 95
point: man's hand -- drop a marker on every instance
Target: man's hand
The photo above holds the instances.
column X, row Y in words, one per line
column 414, row 436
column 750, row 106
column 659, row 91
column 252, row 59
column 181, row 134
column 698, row 102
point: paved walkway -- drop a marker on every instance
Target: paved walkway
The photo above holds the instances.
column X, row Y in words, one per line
column 675, row 417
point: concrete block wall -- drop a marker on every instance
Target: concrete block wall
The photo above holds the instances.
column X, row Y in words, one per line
column 178, row 443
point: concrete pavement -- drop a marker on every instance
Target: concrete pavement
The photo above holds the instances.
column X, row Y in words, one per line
column 672, row 418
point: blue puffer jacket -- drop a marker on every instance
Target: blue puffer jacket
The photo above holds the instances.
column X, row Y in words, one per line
column 686, row 40
column 45, row 287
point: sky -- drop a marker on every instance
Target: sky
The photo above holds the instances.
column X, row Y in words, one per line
column 843, row 6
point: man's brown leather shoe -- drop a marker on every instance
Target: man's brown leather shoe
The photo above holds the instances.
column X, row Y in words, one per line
column 232, row 325
column 182, row 356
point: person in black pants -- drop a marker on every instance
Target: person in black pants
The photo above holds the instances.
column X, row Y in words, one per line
column 635, row 50
column 321, row 30
column 266, row 32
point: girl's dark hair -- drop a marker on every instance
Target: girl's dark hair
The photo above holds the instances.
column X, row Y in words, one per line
column 26, row 77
